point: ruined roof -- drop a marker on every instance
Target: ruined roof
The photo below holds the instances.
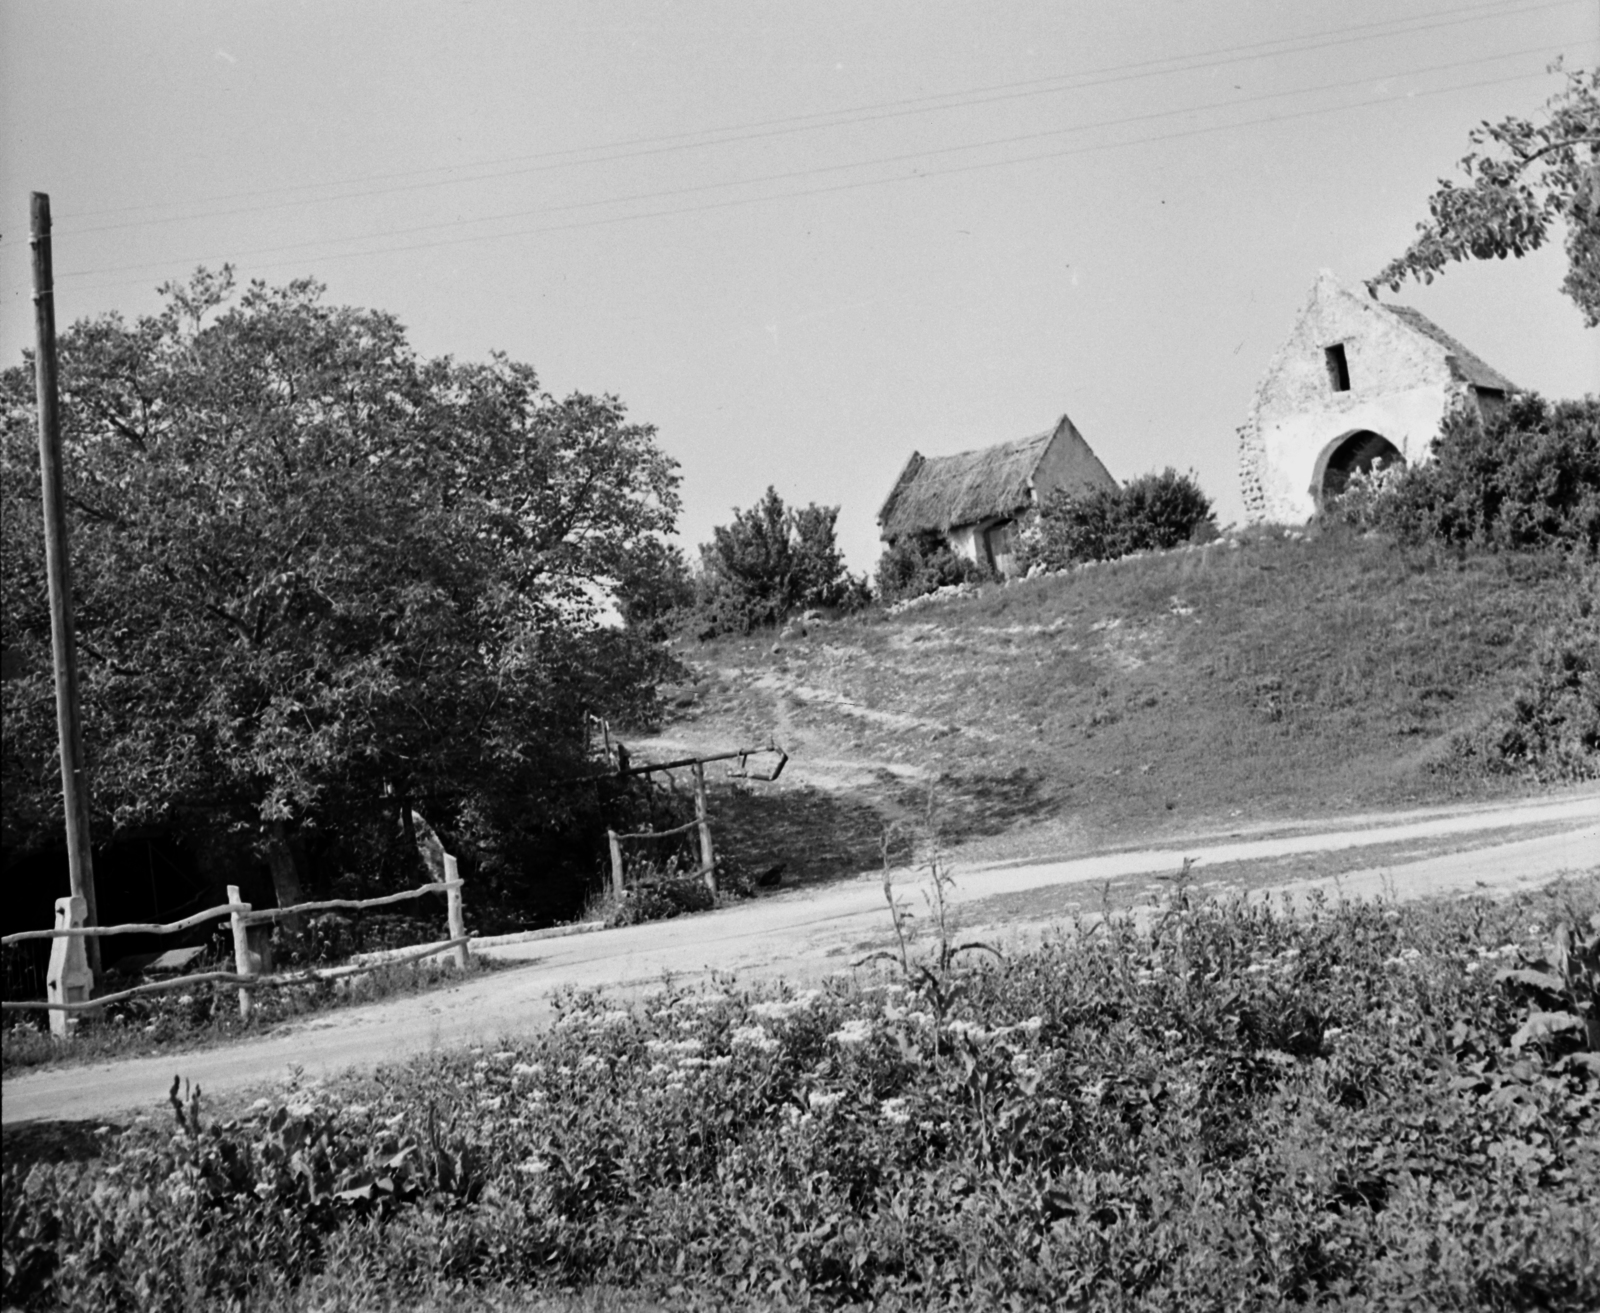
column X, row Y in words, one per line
column 939, row 492
column 1466, row 366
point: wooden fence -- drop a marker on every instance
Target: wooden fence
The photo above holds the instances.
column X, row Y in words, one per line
column 69, row 985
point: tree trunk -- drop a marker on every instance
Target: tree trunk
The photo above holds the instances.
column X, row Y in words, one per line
column 285, row 875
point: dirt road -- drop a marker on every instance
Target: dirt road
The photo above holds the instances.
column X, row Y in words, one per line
column 805, row 934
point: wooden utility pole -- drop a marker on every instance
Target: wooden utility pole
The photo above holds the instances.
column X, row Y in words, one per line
column 74, row 791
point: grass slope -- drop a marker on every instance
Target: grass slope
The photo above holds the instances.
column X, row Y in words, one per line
column 1282, row 677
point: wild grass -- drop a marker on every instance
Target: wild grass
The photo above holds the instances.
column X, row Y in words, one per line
column 1289, row 676
column 1369, row 1106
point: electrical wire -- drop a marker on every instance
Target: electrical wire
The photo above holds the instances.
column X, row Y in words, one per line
column 765, row 129
column 919, row 175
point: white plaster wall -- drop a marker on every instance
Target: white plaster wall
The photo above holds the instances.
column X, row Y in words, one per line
column 1293, row 442
column 965, row 541
column 1400, row 386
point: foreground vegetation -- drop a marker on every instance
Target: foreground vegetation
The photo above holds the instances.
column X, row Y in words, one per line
column 1368, row 1107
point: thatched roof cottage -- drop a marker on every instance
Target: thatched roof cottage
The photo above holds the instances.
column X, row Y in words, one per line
column 975, row 497
column 1357, row 383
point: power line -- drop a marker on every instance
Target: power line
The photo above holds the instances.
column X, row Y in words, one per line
column 920, row 175
column 793, row 174
column 766, row 129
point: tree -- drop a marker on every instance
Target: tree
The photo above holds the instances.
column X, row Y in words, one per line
column 769, row 562
column 653, row 586
column 1522, row 177
column 319, row 576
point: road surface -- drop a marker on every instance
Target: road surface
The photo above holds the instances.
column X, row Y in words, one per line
column 798, row 935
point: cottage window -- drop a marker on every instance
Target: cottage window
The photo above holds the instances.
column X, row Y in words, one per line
column 1338, row 368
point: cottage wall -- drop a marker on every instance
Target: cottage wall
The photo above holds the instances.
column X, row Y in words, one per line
column 1069, row 462
column 1401, row 386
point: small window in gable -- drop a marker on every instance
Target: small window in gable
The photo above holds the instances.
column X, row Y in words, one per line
column 1338, row 368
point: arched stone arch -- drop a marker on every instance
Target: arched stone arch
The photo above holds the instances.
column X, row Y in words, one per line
column 1358, row 450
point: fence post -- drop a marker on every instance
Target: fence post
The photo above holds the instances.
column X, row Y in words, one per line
column 452, row 902
column 244, row 961
column 68, row 979
column 708, row 859
column 616, row 862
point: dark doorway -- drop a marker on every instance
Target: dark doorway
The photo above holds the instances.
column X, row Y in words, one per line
column 1360, row 451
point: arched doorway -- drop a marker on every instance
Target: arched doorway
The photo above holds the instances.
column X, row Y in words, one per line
column 1355, row 452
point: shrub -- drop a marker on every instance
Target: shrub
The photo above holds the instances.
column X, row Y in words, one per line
column 1526, row 478
column 1155, row 512
column 770, row 562
column 920, row 563
column 1550, row 726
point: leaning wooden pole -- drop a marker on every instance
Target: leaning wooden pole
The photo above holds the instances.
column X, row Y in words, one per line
column 58, row 567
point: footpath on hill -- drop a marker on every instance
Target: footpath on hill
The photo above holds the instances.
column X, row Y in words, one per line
column 805, row 934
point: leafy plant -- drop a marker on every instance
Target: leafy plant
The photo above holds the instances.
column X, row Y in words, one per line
column 1522, row 177
column 769, row 562
column 920, row 563
column 1154, row 512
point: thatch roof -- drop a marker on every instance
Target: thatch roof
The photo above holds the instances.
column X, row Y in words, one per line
column 942, row 492
column 1466, row 366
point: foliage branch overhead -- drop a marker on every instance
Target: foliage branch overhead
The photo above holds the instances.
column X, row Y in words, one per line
column 1522, row 177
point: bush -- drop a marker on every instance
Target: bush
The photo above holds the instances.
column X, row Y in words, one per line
column 920, row 563
column 1154, row 512
column 1371, row 1107
column 1526, row 478
column 1550, row 727
column 769, row 562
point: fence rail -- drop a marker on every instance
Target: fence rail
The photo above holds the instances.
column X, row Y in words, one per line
column 234, row 978
column 132, row 928
column 69, row 983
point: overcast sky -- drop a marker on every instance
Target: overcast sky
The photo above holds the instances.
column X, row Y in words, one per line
column 800, row 238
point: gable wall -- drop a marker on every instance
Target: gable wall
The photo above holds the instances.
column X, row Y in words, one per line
column 1400, row 386
column 1069, row 462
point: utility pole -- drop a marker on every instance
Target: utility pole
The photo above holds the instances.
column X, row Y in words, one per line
column 63, row 643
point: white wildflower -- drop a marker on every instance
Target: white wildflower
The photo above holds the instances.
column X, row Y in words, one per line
column 823, row 1100
column 752, row 1037
column 615, row 1017
column 504, row 1055
column 894, row 1111
column 685, row 1048
column 857, row 1031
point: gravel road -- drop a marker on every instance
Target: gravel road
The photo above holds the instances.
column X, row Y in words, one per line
column 799, row 935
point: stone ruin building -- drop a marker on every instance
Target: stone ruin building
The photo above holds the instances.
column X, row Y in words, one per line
column 1358, row 384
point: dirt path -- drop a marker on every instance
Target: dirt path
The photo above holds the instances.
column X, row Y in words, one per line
column 800, row 935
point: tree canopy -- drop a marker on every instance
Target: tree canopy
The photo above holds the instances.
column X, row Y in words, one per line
column 318, row 573
column 1522, row 176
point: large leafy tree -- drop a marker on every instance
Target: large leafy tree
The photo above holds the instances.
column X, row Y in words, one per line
column 1522, row 177
column 318, row 574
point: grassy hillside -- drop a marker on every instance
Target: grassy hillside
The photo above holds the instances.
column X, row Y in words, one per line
column 1279, row 676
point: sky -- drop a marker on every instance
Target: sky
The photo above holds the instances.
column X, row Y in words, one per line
column 801, row 239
